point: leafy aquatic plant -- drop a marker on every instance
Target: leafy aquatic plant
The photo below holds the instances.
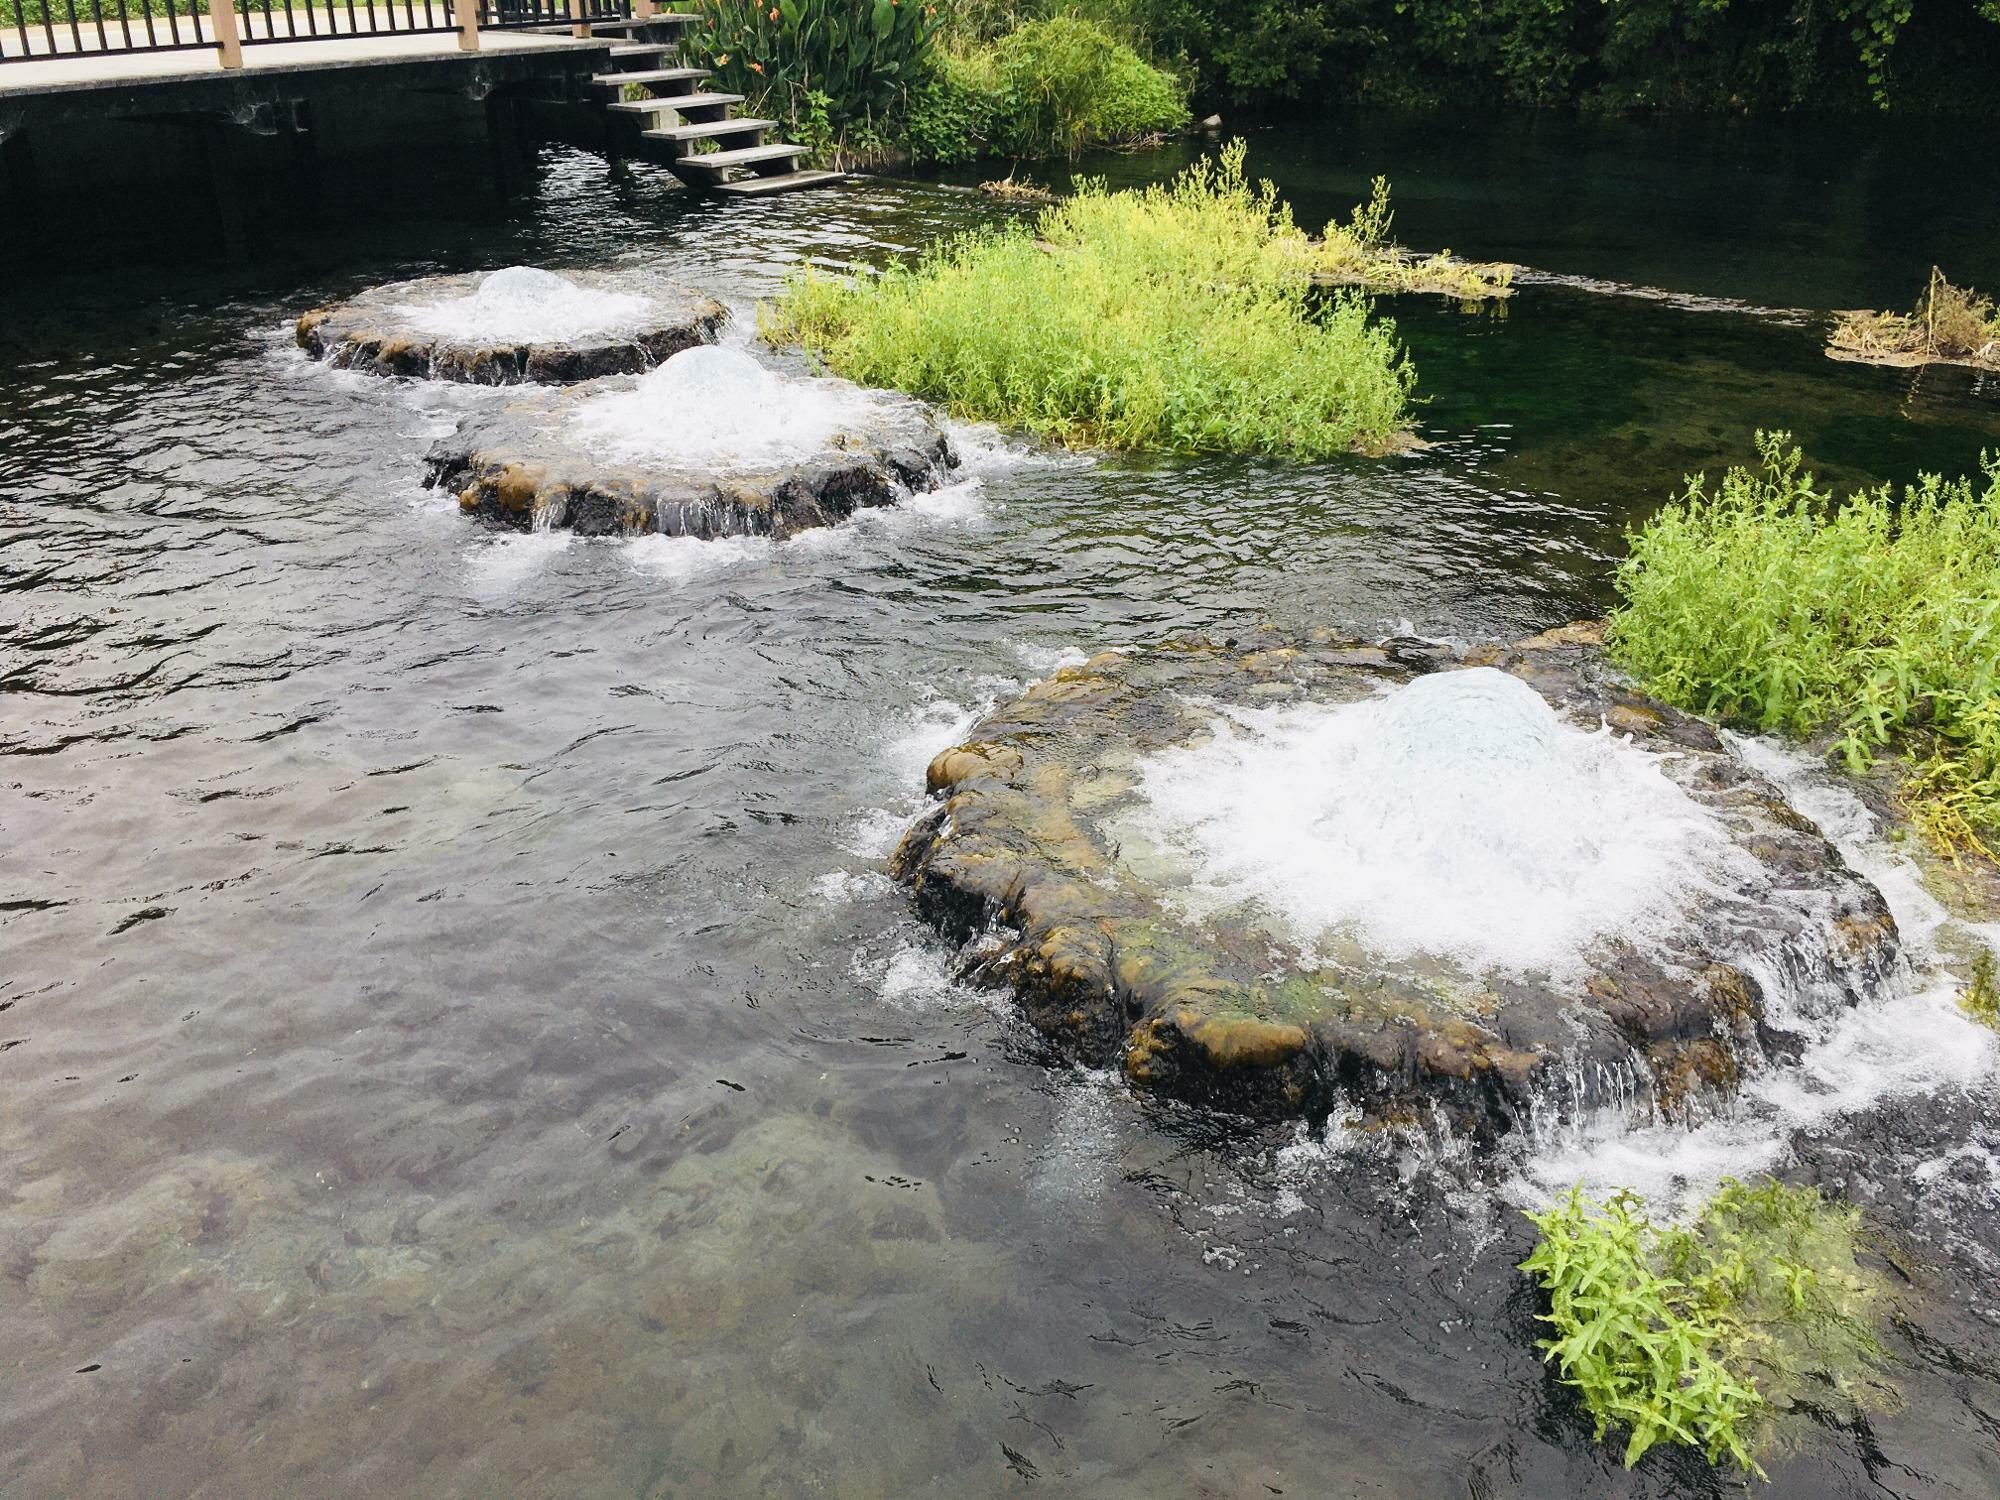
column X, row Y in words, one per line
column 1950, row 323
column 1180, row 317
column 1700, row 1334
column 1763, row 604
column 859, row 56
column 1361, row 253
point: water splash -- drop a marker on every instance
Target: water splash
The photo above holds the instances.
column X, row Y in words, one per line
column 1908, row 1040
column 718, row 408
column 1456, row 817
column 523, row 304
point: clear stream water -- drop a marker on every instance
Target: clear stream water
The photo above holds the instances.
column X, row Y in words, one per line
column 458, row 1037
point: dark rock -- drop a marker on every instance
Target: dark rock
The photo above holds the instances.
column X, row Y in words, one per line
column 1020, row 858
column 369, row 333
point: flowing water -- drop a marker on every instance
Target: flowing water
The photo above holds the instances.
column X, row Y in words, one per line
column 459, row 1039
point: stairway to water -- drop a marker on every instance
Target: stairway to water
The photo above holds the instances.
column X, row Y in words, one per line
column 676, row 121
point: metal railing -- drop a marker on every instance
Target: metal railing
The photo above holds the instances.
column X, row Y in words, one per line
column 520, row 15
column 61, row 28
column 39, row 30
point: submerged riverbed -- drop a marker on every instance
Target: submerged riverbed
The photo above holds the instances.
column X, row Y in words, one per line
column 459, row 1037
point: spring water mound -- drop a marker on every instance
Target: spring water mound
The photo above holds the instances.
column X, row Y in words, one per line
column 712, row 443
column 525, row 304
column 1457, row 816
column 513, row 325
column 1274, row 873
column 721, row 408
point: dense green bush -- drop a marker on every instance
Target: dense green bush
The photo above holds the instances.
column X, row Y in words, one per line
column 1045, row 88
column 1694, row 1334
column 1067, row 83
column 1179, row 318
column 1656, row 54
column 1763, row 604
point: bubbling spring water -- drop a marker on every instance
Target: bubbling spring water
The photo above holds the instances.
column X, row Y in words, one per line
column 715, row 407
column 1456, row 817
column 523, row 304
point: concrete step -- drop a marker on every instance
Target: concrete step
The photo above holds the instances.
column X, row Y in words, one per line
column 633, row 51
column 720, row 161
column 783, row 182
column 708, row 131
column 674, row 102
column 650, row 76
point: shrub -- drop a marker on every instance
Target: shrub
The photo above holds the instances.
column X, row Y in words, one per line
column 1180, row 317
column 1695, row 1334
column 952, row 112
column 1046, row 88
column 1765, row 606
column 1067, row 83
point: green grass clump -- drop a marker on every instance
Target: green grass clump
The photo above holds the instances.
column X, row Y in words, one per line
column 1361, row 253
column 1699, row 1334
column 1181, row 318
column 1765, row 605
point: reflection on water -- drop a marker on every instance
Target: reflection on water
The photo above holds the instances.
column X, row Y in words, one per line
column 459, row 1040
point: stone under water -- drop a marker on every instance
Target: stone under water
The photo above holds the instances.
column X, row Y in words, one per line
column 712, row 443
column 520, row 324
column 1279, row 875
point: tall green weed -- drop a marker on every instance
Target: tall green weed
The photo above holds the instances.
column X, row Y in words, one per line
column 1764, row 604
column 1180, row 317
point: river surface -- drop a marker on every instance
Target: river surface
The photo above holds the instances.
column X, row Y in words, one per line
column 456, row 1035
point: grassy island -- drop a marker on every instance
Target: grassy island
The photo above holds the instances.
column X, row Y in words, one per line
column 1763, row 604
column 1950, row 325
column 1180, row 318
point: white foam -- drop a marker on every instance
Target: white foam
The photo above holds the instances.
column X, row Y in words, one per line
column 1456, row 816
column 718, row 408
column 677, row 559
column 526, row 305
column 1873, row 1054
column 500, row 564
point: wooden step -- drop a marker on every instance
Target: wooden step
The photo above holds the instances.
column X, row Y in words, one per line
column 783, row 182
column 708, row 131
column 650, row 76
column 673, row 102
column 718, row 161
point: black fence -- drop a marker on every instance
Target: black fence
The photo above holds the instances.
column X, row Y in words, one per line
column 42, row 29
column 56, row 28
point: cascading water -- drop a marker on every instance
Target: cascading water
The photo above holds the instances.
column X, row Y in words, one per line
column 524, row 304
column 719, row 408
column 1457, row 818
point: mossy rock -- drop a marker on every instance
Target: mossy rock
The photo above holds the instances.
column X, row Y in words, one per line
column 1025, row 843
column 526, row 463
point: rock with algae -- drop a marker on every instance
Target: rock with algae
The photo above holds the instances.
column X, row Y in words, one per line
column 1044, row 852
column 517, row 325
column 710, row 444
